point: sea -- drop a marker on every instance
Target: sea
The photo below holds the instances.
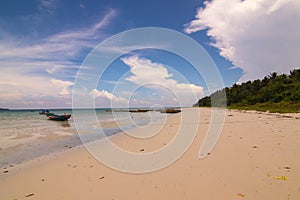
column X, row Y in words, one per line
column 27, row 135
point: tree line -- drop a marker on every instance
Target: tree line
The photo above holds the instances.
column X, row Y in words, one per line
column 275, row 93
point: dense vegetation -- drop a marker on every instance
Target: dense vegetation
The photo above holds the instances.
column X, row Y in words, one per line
column 274, row 93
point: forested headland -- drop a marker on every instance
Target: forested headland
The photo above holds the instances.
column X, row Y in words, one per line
column 274, row 93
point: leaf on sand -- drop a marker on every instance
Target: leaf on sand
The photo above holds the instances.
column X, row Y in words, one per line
column 240, row 195
column 282, row 178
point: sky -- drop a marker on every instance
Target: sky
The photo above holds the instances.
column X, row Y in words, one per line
column 44, row 45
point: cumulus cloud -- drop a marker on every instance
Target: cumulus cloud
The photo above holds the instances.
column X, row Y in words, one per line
column 20, row 91
column 258, row 36
column 155, row 75
column 104, row 98
column 62, row 86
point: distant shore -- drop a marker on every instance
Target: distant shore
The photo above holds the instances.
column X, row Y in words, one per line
column 256, row 157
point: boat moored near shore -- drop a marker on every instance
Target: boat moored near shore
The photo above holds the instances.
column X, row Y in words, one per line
column 55, row 117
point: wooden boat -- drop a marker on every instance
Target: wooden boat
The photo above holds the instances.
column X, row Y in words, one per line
column 139, row 110
column 170, row 110
column 55, row 117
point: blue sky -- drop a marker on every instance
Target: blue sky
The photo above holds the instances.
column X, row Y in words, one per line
column 43, row 44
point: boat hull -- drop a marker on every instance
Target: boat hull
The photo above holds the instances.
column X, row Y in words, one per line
column 64, row 117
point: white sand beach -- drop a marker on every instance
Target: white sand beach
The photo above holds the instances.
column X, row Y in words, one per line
column 256, row 157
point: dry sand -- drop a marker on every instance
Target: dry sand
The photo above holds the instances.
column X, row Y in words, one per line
column 256, row 157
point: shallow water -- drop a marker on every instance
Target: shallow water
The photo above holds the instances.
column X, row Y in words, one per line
column 26, row 135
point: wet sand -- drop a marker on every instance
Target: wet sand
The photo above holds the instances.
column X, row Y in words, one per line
column 256, row 157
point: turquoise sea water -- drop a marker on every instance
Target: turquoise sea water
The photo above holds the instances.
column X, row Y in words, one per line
column 26, row 134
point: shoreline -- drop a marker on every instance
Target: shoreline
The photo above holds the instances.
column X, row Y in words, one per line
column 255, row 158
column 32, row 143
column 12, row 167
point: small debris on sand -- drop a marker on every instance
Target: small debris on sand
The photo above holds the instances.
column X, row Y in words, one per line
column 282, row 178
column 240, row 195
column 29, row 195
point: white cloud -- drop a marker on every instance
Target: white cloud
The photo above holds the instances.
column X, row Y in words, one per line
column 106, row 99
column 259, row 36
column 29, row 91
column 144, row 70
column 61, row 46
column 62, row 86
column 83, row 37
column 47, row 5
column 42, row 70
column 156, row 76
